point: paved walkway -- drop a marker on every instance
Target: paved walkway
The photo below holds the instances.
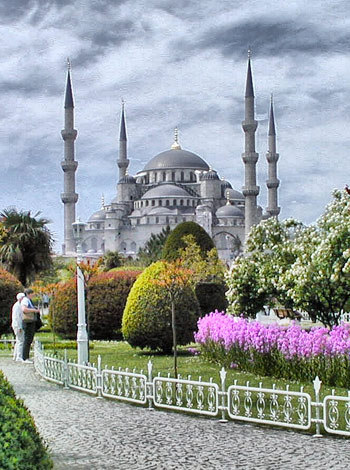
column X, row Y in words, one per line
column 84, row 432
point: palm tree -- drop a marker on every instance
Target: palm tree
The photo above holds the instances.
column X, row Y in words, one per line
column 25, row 244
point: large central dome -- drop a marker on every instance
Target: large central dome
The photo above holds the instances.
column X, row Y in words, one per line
column 176, row 158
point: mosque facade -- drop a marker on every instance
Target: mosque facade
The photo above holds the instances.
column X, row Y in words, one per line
column 174, row 186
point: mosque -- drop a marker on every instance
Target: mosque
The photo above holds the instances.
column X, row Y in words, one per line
column 175, row 186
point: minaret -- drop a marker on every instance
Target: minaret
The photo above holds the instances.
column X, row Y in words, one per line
column 272, row 157
column 122, row 161
column 69, row 165
column 250, row 157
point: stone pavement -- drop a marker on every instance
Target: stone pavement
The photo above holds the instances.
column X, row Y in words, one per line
column 85, row 432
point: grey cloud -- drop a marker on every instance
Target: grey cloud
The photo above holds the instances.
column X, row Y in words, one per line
column 268, row 38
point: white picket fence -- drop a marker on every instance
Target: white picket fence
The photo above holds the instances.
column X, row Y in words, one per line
column 273, row 406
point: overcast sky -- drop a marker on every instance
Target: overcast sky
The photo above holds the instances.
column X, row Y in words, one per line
column 175, row 63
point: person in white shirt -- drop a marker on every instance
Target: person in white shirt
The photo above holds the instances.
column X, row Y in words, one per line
column 17, row 326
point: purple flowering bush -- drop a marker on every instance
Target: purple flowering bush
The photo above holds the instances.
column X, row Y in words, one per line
column 288, row 352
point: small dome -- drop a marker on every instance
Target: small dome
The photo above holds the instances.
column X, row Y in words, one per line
column 176, row 158
column 127, row 179
column 210, row 175
column 226, row 184
column 229, row 211
column 165, row 190
column 98, row 216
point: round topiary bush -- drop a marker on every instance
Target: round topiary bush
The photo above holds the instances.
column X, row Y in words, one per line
column 63, row 314
column 147, row 315
column 107, row 295
column 211, row 296
column 175, row 242
column 9, row 288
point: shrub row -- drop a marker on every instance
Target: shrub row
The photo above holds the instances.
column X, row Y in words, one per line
column 21, row 446
column 9, row 287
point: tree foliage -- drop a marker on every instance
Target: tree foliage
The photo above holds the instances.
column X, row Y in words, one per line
column 304, row 268
column 175, row 241
column 25, row 244
column 110, row 260
column 152, row 250
column 254, row 277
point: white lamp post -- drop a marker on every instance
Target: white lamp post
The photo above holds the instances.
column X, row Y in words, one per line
column 82, row 336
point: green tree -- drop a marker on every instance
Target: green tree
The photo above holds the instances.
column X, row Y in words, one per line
column 25, row 246
column 152, row 250
column 110, row 260
column 175, row 241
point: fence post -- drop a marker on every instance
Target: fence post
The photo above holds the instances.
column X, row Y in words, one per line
column 223, row 406
column 317, row 386
column 99, row 377
column 65, row 370
column 149, row 386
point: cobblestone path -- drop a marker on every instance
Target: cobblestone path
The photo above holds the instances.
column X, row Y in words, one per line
column 84, row 432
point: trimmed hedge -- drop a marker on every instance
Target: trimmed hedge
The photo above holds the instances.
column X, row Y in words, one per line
column 107, row 297
column 175, row 242
column 21, row 446
column 105, row 301
column 147, row 314
column 211, row 296
column 9, row 287
column 63, row 313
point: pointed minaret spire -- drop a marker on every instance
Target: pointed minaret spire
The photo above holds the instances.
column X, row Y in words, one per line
column 122, row 161
column 272, row 130
column 176, row 145
column 249, row 89
column 272, row 157
column 250, row 157
column 68, row 101
column 69, row 165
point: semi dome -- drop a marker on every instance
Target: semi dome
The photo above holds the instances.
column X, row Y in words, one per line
column 226, row 184
column 127, row 179
column 97, row 216
column 166, row 190
column 229, row 211
column 176, row 158
column 234, row 195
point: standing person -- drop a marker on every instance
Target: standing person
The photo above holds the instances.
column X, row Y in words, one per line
column 29, row 320
column 17, row 326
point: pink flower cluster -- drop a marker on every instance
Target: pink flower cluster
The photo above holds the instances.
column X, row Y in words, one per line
column 293, row 342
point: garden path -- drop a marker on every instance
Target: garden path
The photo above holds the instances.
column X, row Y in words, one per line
column 84, row 432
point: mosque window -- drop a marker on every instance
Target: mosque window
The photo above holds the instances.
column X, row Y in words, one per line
column 182, row 176
column 164, row 176
column 174, row 202
column 147, row 220
column 146, row 203
column 157, row 220
column 166, row 219
column 131, row 198
column 188, row 202
column 97, row 225
column 183, row 219
column 160, row 202
column 176, row 220
column 181, row 202
column 155, row 177
column 173, row 175
column 153, row 202
column 138, row 221
column 167, row 202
